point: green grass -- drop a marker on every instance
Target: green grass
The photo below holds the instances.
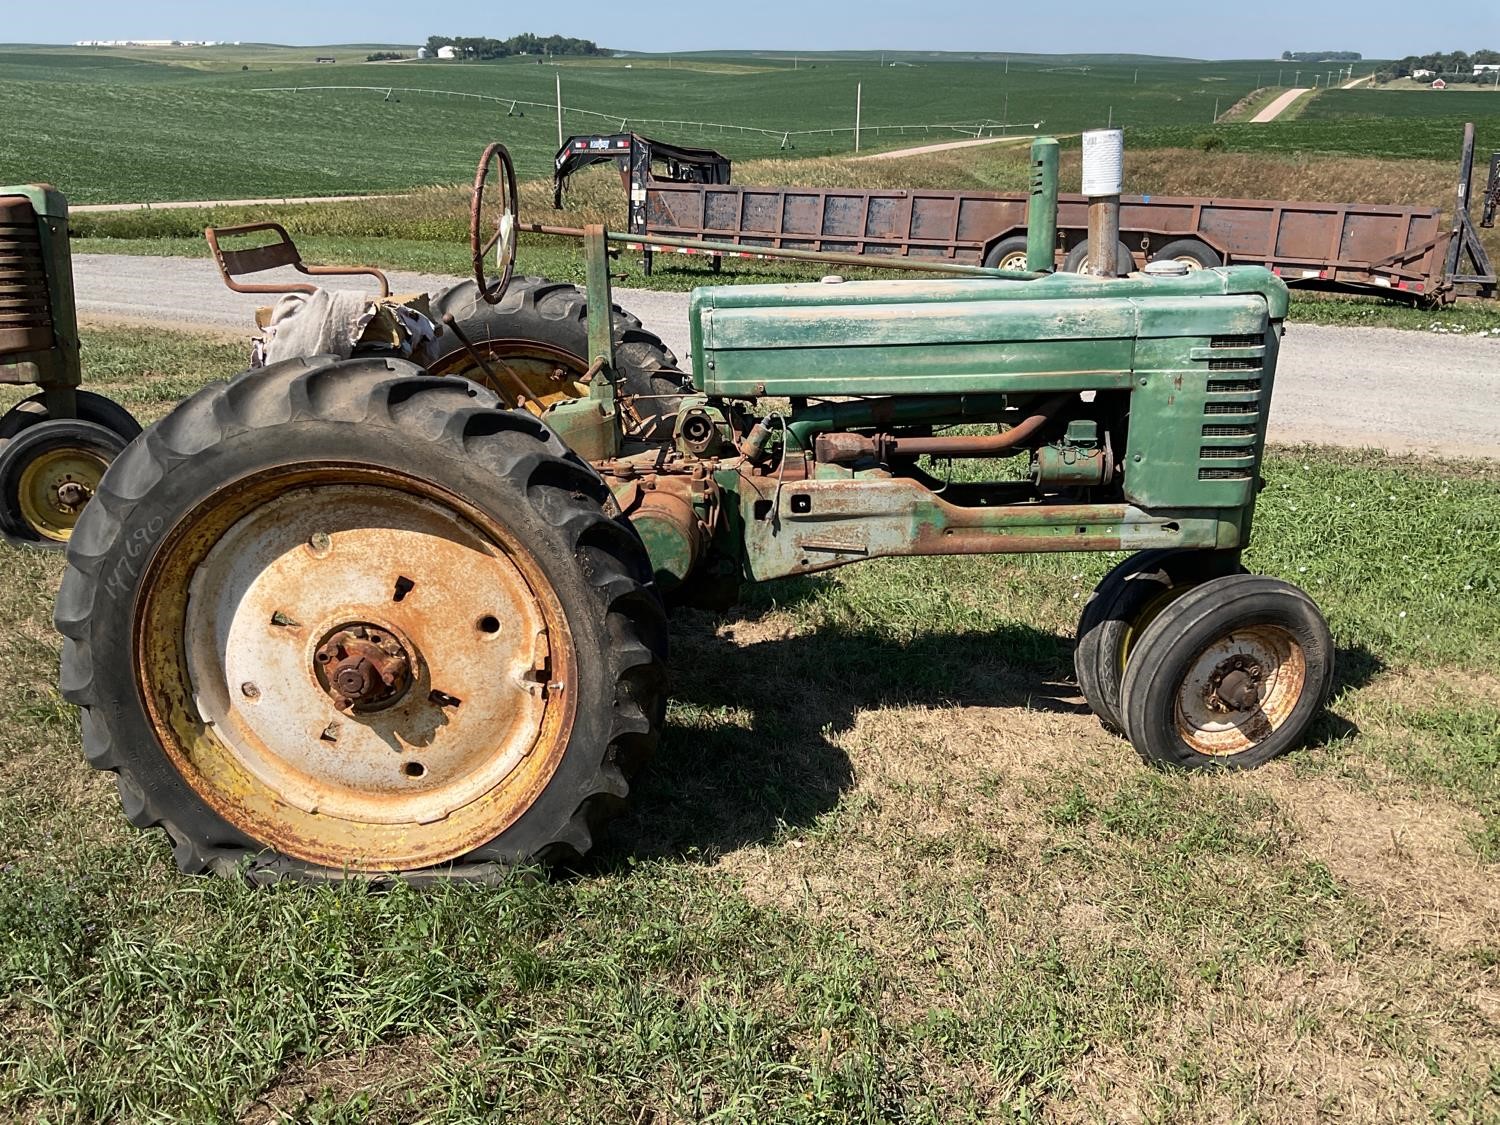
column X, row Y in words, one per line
column 883, row 869
column 106, row 128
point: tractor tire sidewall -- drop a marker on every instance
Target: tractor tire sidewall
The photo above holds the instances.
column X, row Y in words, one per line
column 91, row 408
column 19, row 451
column 117, row 540
column 1003, row 248
column 1169, row 645
column 556, row 313
column 1200, row 252
column 1113, row 609
column 1078, row 256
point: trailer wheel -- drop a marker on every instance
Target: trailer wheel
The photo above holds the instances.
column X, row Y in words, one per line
column 1124, row 603
column 1230, row 674
column 1008, row 254
column 1077, row 259
column 1191, row 253
column 339, row 619
column 538, row 334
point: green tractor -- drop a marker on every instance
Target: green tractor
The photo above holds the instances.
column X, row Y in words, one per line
column 346, row 618
column 56, row 444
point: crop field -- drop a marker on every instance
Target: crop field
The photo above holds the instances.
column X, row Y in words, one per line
column 108, row 127
column 885, row 868
column 1381, row 124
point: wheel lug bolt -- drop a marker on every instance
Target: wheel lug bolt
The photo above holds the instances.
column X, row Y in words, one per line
column 249, row 690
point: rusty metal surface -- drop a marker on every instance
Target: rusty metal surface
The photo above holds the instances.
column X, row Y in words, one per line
column 245, row 594
column 1240, row 689
column 274, row 255
column 504, row 236
column 842, row 448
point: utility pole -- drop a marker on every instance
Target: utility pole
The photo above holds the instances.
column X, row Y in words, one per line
column 1005, row 114
column 1216, row 112
column 859, row 90
column 1136, row 81
column 558, row 76
column 1279, row 73
column 1007, row 64
column 1297, row 79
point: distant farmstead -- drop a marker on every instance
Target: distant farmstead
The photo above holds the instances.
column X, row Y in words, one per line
column 1420, row 74
column 447, row 52
column 1440, row 85
column 325, row 59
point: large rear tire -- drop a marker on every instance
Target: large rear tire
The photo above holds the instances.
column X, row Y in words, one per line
column 344, row 619
column 539, row 331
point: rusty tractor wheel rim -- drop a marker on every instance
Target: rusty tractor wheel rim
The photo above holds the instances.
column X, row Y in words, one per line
column 54, row 487
column 1192, row 263
column 355, row 669
column 549, row 374
column 1240, row 689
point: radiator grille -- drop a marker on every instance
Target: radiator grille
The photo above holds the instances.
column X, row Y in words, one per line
column 1223, row 474
column 1233, row 386
column 1234, row 365
column 1229, row 431
column 25, row 310
column 1249, row 407
column 1235, row 341
column 1225, row 452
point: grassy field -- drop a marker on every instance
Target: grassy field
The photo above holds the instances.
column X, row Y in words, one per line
column 1404, row 125
column 111, row 127
column 885, row 868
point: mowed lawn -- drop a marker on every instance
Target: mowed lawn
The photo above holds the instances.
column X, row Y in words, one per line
column 885, row 868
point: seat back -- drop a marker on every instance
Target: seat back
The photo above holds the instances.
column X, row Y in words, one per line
column 277, row 254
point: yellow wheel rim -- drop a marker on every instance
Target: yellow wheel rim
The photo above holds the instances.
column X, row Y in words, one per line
column 1015, row 260
column 54, row 487
column 247, row 650
column 1240, row 690
column 524, row 373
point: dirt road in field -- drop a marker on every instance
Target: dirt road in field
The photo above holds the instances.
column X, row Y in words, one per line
column 1400, row 391
column 944, row 146
column 1279, row 106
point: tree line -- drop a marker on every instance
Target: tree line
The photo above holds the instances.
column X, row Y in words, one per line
column 479, row 47
column 1451, row 66
column 1320, row 56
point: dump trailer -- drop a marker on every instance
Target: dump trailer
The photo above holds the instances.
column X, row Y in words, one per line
column 1352, row 247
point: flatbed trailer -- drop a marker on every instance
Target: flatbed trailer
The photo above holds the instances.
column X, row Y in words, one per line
column 1407, row 252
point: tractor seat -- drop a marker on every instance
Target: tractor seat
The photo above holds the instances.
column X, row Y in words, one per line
column 279, row 254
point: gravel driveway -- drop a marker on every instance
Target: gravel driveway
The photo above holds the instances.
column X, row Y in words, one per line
column 1394, row 390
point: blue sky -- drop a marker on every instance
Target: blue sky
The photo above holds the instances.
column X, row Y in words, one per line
column 1263, row 29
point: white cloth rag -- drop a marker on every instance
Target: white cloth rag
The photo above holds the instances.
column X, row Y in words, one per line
column 323, row 322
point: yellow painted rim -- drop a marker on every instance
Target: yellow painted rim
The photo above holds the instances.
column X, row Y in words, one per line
column 237, row 602
column 546, row 375
column 1217, row 729
column 42, row 490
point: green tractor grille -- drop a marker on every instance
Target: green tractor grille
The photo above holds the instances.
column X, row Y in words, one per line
column 1228, row 451
column 25, row 306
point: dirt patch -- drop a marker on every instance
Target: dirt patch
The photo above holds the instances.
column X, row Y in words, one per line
column 379, row 1072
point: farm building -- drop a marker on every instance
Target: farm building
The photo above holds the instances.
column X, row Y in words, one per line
column 1439, row 85
column 1419, row 74
column 447, row 52
column 423, row 53
column 1486, row 68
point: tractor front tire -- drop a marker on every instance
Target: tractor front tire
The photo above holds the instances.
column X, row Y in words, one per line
column 49, row 472
column 343, row 619
column 538, row 333
column 1231, row 674
column 1126, row 600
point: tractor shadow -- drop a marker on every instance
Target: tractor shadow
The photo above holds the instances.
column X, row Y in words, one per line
column 748, row 748
column 748, row 751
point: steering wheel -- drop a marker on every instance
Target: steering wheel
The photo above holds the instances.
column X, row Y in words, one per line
column 503, row 240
